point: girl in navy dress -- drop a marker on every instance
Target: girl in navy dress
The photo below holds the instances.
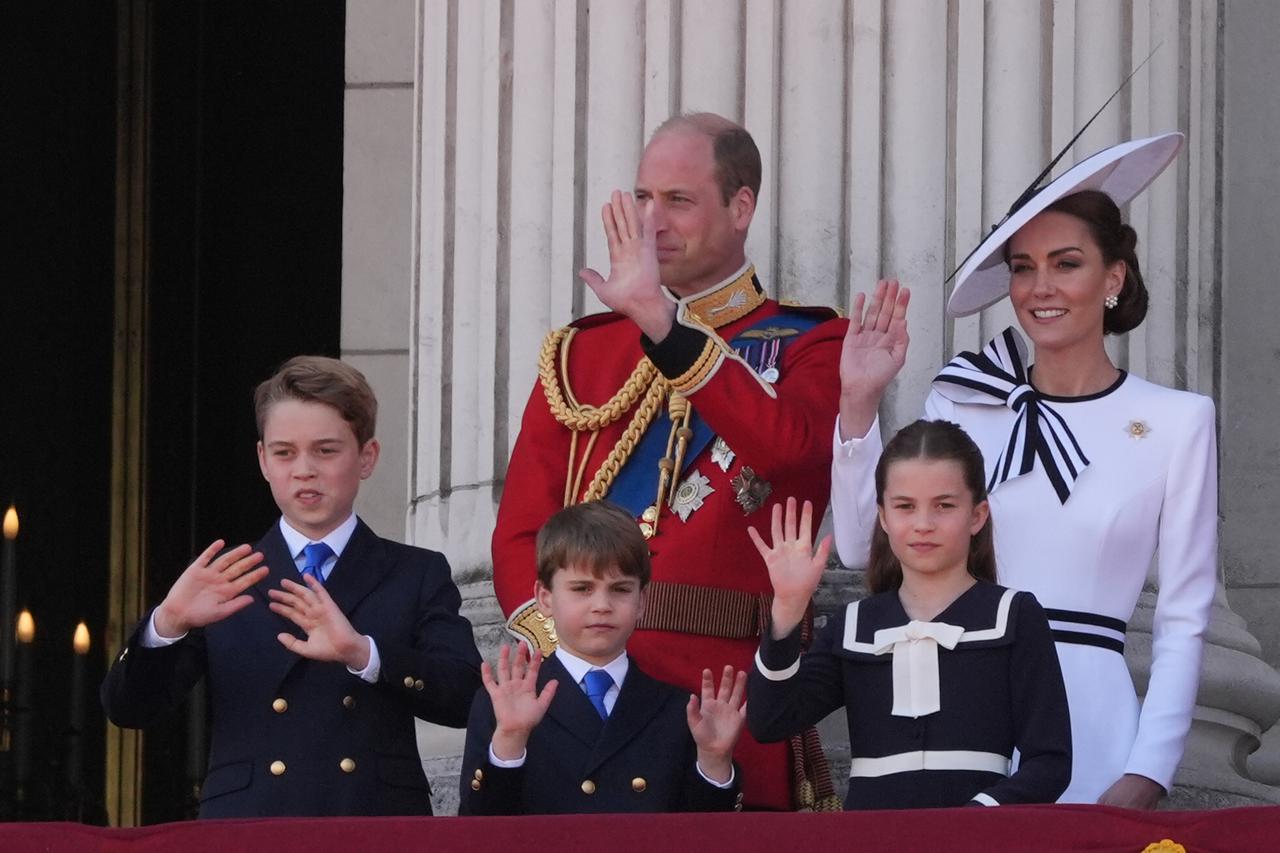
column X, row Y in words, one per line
column 942, row 673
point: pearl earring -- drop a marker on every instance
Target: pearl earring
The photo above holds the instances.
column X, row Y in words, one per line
column 1111, row 301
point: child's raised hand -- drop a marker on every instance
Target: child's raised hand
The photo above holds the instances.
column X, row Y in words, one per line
column 795, row 569
column 715, row 721
column 210, row 589
column 330, row 636
column 517, row 705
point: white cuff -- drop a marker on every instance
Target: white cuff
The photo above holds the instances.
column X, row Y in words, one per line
column 373, row 668
column 985, row 800
column 776, row 674
column 151, row 638
column 515, row 762
column 846, row 449
column 723, row 786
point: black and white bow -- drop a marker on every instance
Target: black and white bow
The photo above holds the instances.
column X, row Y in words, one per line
column 997, row 376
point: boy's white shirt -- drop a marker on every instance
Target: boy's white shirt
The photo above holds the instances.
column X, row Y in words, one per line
column 337, row 540
column 578, row 669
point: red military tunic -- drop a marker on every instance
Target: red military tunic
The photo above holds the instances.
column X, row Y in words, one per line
column 781, row 431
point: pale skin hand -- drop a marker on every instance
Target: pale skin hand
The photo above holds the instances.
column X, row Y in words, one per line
column 209, row 590
column 517, row 705
column 795, row 568
column 874, row 350
column 716, row 720
column 1132, row 791
column 634, row 285
column 330, row 636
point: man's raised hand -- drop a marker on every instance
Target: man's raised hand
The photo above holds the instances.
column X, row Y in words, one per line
column 210, row 589
column 634, row 285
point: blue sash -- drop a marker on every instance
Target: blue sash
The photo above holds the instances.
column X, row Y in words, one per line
column 761, row 346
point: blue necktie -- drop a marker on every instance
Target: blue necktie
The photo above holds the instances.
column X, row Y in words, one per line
column 597, row 683
column 313, row 557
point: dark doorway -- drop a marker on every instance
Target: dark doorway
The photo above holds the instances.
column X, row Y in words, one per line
column 242, row 200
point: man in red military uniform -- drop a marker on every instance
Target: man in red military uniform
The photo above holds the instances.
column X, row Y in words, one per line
column 695, row 404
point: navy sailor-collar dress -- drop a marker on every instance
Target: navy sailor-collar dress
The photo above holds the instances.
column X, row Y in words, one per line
column 935, row 709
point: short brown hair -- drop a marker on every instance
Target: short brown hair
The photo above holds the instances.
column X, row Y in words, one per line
column 736, row 155
column 316, row 379
column 597, row 535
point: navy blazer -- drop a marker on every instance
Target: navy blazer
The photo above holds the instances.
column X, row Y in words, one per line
column 642, row 759
column 292, row 736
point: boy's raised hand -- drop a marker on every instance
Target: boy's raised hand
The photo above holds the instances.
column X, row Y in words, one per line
column 716, row 720
column 795, row 569
column 330, row 636
column 210, row 589
column 517, row 705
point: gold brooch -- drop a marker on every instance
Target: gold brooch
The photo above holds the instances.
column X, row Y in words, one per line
column 749, row 490
column 1137, row 430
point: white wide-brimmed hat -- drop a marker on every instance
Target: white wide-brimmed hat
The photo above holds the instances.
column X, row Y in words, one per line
column 1121, row 171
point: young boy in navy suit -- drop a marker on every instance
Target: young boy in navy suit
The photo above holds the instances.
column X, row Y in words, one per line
column 322, row 642
column 586, row 730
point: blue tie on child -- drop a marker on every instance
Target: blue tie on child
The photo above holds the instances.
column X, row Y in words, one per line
column 313, row 557
column 597, row 683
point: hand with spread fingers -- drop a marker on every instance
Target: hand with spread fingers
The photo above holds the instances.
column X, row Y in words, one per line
column 795, row 568
column 330, row 636
column 716, row 720
column 210, row 589
column 874, row 350
column 634, row 285
column 517, row 705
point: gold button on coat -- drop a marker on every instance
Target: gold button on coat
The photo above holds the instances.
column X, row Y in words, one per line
column 479, row 774
column 588, row 787
column 638, row 784
column 277, row 768
column 279, row 706
column 347, row 765
column 475, row 784
column 348, row 702
column 408, row 681
column 419, row 684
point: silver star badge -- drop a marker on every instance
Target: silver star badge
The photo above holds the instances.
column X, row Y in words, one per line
column 689, row 497
column 721, row 454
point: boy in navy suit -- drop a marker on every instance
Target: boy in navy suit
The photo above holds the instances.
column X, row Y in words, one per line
column 586, row 730
column 316, row 675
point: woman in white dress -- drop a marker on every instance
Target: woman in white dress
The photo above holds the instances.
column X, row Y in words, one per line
column 1094, row 473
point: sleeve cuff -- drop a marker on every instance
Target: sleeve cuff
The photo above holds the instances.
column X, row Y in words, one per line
column 151, row 638
column 513, row 763
column 687, row 357
column 374, row 668
column 779, row 660
column 984, row 800
column 850, row 449
column 723, row 786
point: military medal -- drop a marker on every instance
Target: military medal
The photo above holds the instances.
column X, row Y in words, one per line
column 769, row 360
column 721, row 454
column 690, row 495
column 749, row 490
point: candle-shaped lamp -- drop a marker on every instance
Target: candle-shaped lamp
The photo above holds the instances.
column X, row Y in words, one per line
column 8, row 599
column 75, row 760
column 25, row 730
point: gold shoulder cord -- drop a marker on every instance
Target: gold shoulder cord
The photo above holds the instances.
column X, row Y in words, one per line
column 644, row 380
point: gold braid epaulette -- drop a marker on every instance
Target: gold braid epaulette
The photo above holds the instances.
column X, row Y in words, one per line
column 644, row 380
